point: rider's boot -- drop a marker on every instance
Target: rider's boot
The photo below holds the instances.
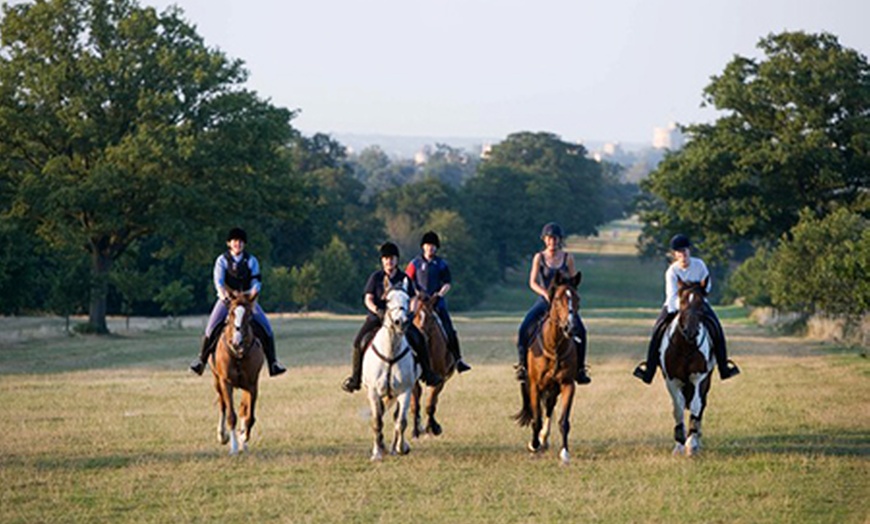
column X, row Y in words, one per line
column 580, row 343
column 453, row 346
column 275, row 367
column 646, row 371
column 418, row 344
column 206, row 347
column 520, row 371
column 727, row 367
column 352, row 383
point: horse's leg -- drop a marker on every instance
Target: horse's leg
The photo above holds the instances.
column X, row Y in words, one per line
column 400, row 445
column 249, row 400
column 535, row 405
column 417, row 430
column 696, row 408
column 549, row 401
column 567, row 395
column 377, row 407
column 679, row 405
column 222, row 435
column 432, row 425
column 232, row 419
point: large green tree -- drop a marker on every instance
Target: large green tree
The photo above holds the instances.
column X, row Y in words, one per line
column 794, row 134
column 118, row 122
column 527, row 180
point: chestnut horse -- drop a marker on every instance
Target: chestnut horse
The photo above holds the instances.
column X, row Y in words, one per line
column 687, row 364
column 389, row 371
column 236, row 363
column 442, row 362
column 552, row 365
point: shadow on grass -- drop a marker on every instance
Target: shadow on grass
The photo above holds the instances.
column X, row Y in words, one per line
column 840, row 443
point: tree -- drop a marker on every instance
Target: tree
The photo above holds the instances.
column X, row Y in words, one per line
column 174, row 298
column 795, row 134
column 528, row 180
column 117, row 122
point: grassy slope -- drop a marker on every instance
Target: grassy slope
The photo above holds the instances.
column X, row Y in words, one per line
column 112, row 429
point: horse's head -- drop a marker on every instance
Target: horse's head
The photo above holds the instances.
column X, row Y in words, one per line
column 398, row 304
column 241, row 311
column 564, row 301
column 692, row 296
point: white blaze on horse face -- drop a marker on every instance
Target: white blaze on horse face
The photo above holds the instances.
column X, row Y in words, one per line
column 239, row 314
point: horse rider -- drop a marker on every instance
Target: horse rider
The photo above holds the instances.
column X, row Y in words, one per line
column 374, row 300
column 432, row 276
column 546, row 264
column 688, row 269
column 238, row 270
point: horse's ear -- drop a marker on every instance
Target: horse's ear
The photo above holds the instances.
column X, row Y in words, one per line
column 405, row 284
column 680, row 284
column 578, row 277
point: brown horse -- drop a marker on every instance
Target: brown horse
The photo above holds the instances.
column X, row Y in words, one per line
column 442, row 361
column 236, row 363
column 687, row 364
column 552, row 365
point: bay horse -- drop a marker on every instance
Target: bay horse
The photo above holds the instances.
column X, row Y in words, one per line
column 552, row 365
column 236, row 363
column 687, row 365
column 442, row 361
column 390, row 372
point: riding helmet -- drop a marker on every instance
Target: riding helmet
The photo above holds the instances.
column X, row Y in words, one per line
column 431, row 237
column 237, row 233
column 552, row 229
column 388, row 249
column 679, row 242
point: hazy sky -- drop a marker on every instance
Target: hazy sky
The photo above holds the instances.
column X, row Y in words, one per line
column 607, row 70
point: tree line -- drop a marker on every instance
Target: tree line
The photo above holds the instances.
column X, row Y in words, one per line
column 128, row 147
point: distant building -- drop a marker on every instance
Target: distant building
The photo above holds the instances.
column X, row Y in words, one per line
column 668, row 137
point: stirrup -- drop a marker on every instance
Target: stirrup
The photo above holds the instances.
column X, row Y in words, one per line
column 276, row 369
column 642, row 372
column 729, row 370
column 197, row 366
column 462, row 367
column 520, row 372
column 582, row 378
column 350, row 385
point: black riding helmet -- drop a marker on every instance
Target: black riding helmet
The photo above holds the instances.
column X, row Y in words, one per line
column 552, row 229
column 388, row 249
column 237, row 233
column 680, row 241
column 430, row 237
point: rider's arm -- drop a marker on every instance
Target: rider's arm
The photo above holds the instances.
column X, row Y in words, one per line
column 219, row 277
column 569, row 261
column 533, row 277
column 369, row 301
column 256, row 283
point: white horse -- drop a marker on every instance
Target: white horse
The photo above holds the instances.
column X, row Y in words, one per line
column 687, row 364
column 389, row 372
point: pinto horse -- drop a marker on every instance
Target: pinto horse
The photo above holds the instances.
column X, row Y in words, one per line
column 687, row 364
column 552, row 366
column 236, row 363
column 389, row 371
column 442, row 362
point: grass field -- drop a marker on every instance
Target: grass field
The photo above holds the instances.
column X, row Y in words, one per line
column 113, row 429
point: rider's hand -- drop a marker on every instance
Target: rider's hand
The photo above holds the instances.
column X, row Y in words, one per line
column 380, row 313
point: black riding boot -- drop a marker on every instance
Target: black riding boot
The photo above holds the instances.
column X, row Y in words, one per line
column 580, row 343
column 646, row 371
column 453, row 346
column 415, row 339
column 206, row 348
column 727, row 368
column 520, row 369
column 352, row 383
column 275, row 367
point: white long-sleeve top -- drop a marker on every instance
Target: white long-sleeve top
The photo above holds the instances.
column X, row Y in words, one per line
column 695, row 272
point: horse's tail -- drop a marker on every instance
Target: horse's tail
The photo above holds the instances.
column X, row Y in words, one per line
column 524, row 415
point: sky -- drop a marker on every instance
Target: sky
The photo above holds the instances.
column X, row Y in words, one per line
column 611, row 70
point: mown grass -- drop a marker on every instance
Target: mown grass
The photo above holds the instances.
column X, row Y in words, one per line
column 113, row 429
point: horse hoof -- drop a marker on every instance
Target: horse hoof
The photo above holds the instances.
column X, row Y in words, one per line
column 434, row 429
column 532, row 448
column 565, row 457
column 679, row 449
